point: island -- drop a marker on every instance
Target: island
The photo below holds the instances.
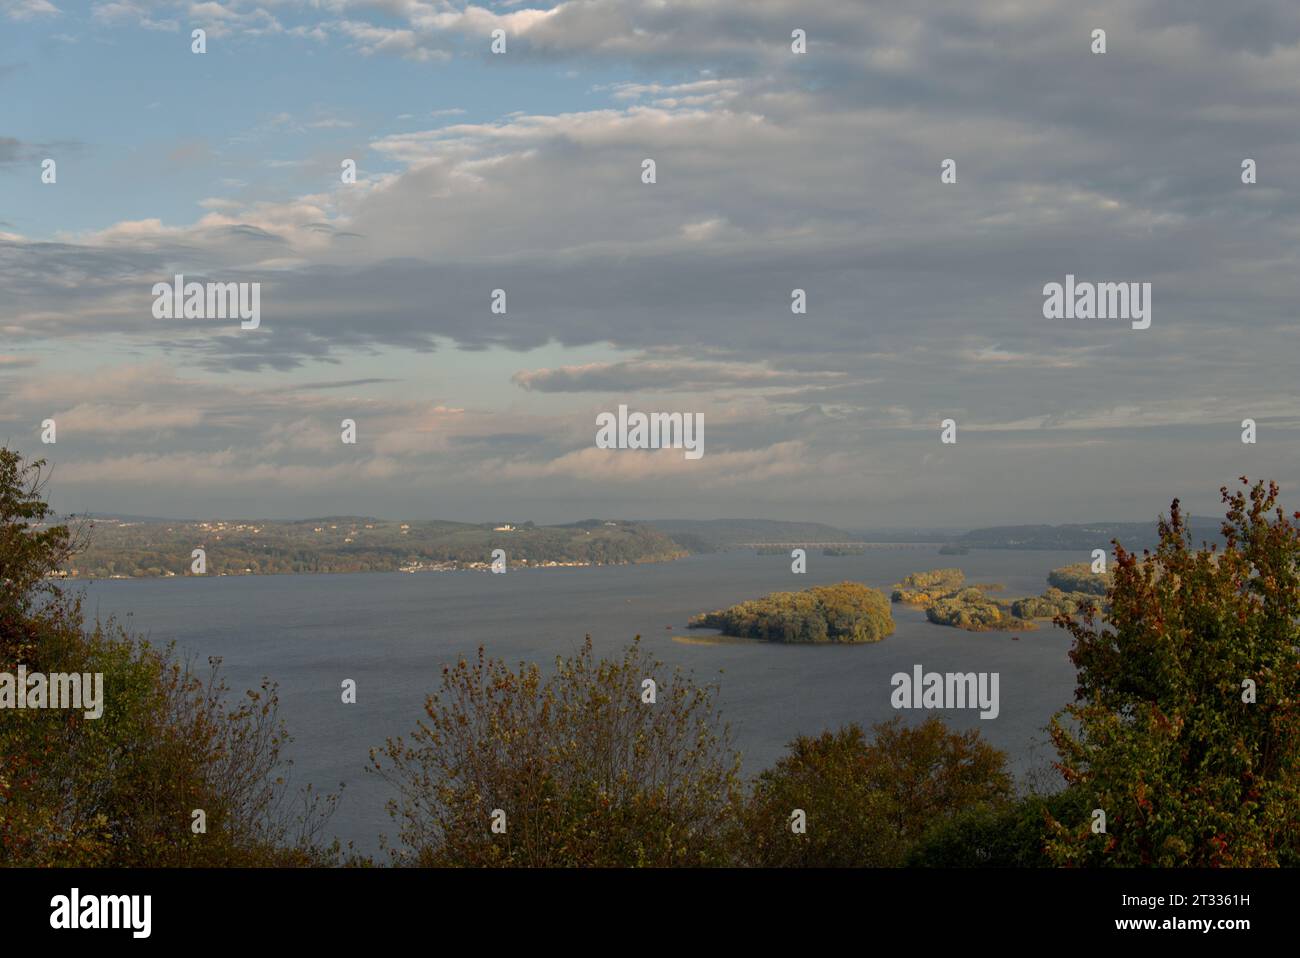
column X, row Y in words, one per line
column 923, row 588
column 1053, row 602
column 1080, row 578
column 973, row 610
column 847, row 613
column 844, row 551
column 949, row 601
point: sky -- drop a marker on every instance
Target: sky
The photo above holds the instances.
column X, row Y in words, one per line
column 775, row 170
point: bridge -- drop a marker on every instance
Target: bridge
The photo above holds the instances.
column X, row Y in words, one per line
column 842, row 545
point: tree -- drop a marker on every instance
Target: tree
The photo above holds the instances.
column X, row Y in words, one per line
column 121, row 789
column 1011, row 834
column 1184, row 732
column 578, row 769
column 867, row 802
column 846, row 612
column 30, row 549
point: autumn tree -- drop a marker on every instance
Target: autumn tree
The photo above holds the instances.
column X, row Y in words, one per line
column 122, row 789
column 591, row 766
column 867, row 801
column 1185, row 730
column 847, row 612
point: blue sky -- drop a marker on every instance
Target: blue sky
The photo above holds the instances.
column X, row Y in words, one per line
column 777, row 170
column 152, row 127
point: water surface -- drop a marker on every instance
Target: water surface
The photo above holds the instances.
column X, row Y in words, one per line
column 393, row 633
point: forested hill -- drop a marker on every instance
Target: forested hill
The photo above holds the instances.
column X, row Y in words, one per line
column 158, row 547
column 1133, row 536
column 715, row 535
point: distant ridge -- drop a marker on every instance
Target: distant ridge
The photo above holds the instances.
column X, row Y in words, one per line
column 1133, row 536
column 715, row 535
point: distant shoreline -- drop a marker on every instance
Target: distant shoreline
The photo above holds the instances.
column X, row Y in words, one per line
column 467, row 567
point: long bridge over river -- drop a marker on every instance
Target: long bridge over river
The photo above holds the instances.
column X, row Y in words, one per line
column 838, row 545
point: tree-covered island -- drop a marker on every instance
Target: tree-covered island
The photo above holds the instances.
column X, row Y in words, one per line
column 847, row 612
column 949, row 601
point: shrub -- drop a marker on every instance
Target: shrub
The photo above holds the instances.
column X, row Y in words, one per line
column 867, row 802
column 585, row 772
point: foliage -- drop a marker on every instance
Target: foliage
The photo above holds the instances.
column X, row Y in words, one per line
column 1008, row 834
column 585, row 771
column 948, row 603
column 973, row 610
column 30, row 548
column 923, row 588
column 868, row 802
column 846, row 612
column 1079, row 577
column 1052, row 603
column 119, row 790
column 1160, row 738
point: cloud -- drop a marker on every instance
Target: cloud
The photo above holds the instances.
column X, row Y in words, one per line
column 371, row 40
column 28, row 9
column 122, row 12
column 775, row 172
column 222, row 20
column 632, row 375
column 111, row 419
column 14, row 151
column 638, row 467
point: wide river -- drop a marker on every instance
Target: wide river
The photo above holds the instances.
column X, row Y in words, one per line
column 393, row 632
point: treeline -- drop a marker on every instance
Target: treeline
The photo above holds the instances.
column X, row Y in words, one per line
column 717, row 535
column 159, row 548
column 1084, row 537
column 847, row 612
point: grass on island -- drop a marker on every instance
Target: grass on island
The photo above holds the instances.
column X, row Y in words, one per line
column 714, row 640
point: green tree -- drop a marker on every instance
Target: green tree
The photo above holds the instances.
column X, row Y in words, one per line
column 1012, row 834
column 1160, row 738
column 31, row 547
column 586, row 772
column 867, row 802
